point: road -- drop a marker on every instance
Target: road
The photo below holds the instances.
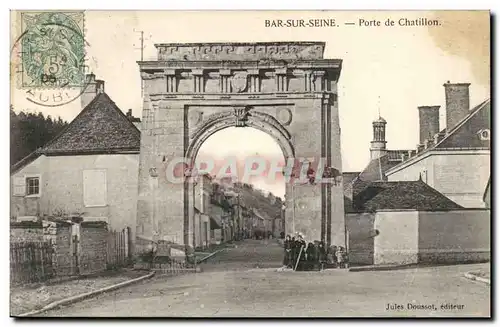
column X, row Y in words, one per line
column 239, row 282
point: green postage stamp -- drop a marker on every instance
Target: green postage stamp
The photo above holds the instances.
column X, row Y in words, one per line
column 52, row 49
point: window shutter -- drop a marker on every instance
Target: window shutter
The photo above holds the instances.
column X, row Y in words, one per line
column 19, row 186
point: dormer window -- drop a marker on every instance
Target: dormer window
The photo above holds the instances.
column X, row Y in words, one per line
column 484, row 134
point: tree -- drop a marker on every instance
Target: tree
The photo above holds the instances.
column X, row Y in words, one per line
column 30, row 131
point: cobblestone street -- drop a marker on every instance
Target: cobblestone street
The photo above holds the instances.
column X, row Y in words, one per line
column 241, row 282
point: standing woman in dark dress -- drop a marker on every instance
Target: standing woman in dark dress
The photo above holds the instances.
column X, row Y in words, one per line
column 311, row 257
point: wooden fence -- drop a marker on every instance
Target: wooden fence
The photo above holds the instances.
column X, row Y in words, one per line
column 118, row 252
column 30, row 262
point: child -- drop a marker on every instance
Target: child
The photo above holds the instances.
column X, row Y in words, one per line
column 340, row 257
column 346, row 260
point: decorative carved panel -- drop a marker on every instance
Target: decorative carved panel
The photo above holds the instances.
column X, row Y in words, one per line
column 241, row 114
column 284, row 116
column 241, row 51
column 195, row 117
column 239, row 82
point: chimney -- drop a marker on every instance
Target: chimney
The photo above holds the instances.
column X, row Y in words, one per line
column 92, row 88
column 438, row 137
column 457, row 103
column 429, row 122
column 427, row 142
column 99, row 86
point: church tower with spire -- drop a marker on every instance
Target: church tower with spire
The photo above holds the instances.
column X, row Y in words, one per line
column 378, row 144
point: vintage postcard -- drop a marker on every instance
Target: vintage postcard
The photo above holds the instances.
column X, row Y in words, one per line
column 250, row 164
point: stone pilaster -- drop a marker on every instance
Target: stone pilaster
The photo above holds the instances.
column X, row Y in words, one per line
column 308, row 81
column 254, row 80
column 335, row 228
column 225, row 86
column 318, row 80
column 281, row 80
column 199, row 81
column 171, row 78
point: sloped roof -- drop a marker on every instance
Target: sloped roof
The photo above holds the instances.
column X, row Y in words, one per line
column 463, row 135
column 376, row 168
column 101, row 127
column 415, row 195
column 380, row 120
column 348, row 177
column 24, row 161
column 350, row 191
column 395, row 155
column 347, row 205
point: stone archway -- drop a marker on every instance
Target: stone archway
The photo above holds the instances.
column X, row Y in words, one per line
column 239, row 117
column 285, row 89
column 230, row 118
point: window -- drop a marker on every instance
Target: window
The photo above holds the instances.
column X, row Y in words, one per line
column 484, row 134
column 94, row 188
column 27, row 185
column 32, row 186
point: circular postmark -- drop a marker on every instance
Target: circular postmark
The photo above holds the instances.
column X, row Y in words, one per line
column 49, row 57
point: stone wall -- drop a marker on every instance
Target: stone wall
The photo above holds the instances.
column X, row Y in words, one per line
column 461, row 175
column 361, row 236
column 26, row 231
column 397, row 240
column 58, row 233
column 410, row 237
column 64, row 263
column 93, row 247
column 28, row 205
column 62, row 188
column 461, row 236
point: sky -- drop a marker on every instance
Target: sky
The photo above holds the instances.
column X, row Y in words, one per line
column 391, row 69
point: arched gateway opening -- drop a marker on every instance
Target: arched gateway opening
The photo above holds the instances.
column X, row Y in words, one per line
column 285, row 89
column 239, row 190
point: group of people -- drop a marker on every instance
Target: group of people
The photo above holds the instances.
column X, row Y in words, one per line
column 302, row 256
